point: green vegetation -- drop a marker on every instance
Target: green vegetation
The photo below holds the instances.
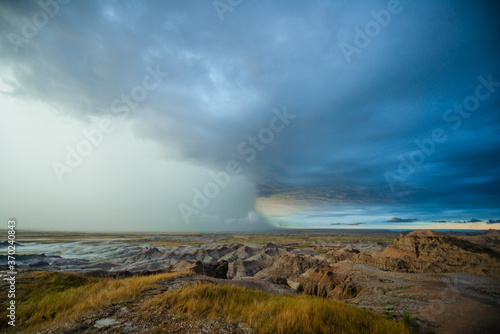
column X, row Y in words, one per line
column 412, row 297
column 388, row 315
column 410, row 321
column 392, row 302
column 268, row 313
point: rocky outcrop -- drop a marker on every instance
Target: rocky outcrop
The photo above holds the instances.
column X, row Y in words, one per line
column 405, row 264
column 279, row 280
column 185, row 265
column 431, row 251
column 217, row 270
column 290, row 266
column 491, row 239
column 327, row 284
column 148, row 254
column 247, row 268
column 438, row 247
column 346, row 253
column 345, row 290
column 419, row 251
column 318, row 282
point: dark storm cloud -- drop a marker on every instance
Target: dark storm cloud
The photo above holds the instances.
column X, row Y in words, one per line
column 402, row 220
column 472, row 220
column 353, row 119
column 351, row 224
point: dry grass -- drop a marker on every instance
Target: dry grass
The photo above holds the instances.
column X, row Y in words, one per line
column 45, row 298
column 268, row 313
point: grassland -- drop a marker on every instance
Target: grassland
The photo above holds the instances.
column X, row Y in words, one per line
column 289, row 238
column 45, row 299
column 267, row 313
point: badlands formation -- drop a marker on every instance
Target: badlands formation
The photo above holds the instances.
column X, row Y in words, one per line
column 437, row 277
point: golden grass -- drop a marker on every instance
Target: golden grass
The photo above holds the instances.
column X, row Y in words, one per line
column 269, row 313
column 45, row 298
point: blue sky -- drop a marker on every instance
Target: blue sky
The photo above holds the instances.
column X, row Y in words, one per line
column 332, row 113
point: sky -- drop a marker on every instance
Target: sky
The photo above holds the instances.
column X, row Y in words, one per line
column 249, row 115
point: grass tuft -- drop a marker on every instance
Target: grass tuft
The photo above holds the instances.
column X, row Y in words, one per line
column 269, row 313
column 410, row 321
column 45, row 298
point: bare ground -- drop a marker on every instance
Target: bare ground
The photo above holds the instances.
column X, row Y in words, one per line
column 443, row 303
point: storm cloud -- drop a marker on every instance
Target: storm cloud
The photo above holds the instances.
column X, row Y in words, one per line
column 378, row 130
column 402, row 220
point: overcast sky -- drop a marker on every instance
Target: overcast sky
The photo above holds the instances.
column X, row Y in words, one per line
column 247, row 115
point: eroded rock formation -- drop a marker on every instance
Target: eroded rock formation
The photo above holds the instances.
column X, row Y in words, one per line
column 431, row 251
